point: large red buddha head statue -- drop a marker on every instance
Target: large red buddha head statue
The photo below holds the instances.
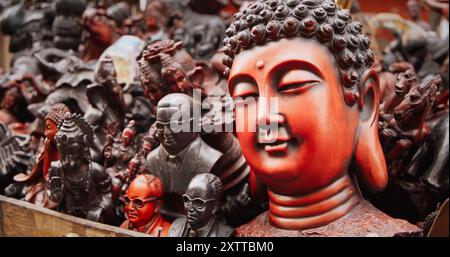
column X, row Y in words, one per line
column 142, row 199
column 300, row 73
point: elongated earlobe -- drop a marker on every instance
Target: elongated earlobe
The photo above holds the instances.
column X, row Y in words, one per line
column 369, row 156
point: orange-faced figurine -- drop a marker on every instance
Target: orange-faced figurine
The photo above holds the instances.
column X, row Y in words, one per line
column 300, row 74
column 142, row 203
column 37, row 178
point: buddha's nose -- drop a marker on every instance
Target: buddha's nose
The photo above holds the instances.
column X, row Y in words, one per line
column 268, row 111
column 269, row 120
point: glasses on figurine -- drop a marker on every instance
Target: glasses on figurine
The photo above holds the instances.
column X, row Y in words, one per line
column 137, row 202
column 171, row 124
column 198, row 203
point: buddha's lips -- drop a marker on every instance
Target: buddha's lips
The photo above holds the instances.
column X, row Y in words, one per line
column 278, row 146
column 274, row 145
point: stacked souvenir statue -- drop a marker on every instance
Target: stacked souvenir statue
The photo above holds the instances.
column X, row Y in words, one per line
column 259, row 118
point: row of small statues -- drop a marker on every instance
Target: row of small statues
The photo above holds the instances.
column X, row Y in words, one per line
column 90, row 132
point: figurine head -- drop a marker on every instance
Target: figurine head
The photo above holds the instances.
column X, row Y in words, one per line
column 106, row 71
column 128, row 133
column 414, row 9
column 404, row 82
column 316, row 62
column 166, row 68
column 10, row 98
column 142, row 199
column 410, row 113
column 174, row 122
column 147, row 144
column 73, row 139
column 100, row 27
column 142, row 113
column 202, row 199
column 53, row 119
column 133, row 166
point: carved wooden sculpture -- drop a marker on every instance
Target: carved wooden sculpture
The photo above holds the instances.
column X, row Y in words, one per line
column 142, row 205
column 288, row 50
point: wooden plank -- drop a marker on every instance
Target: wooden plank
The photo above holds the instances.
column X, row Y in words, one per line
column 19, row 218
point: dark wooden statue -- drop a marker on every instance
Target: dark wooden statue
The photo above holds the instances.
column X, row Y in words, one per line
column 182, row 153
column 79, row 186
column 202, row 208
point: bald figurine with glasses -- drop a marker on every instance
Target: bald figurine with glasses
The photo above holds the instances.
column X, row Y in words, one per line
column 142, row 205
column 182, row 153
column 202, row 208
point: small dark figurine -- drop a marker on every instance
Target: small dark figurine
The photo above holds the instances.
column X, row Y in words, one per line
column 101, row 30
column 416, row 152
column 202, row 205
column 8, row 105
column 67, row 24
column 202, row 34
column 120, row 153
column 142, row 204
column 78, row 185
column 414, row 11
column 106, row 94
column 181, row 154
column 37, row 178
column 166, row 68
column 29, row 28
column 410, row 114
column 405, row 81
column 15, row 157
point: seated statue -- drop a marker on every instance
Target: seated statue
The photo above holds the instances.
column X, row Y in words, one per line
column 300, row 75
column 182, row 154
column 78, row 185
column 142, row 204
column 202, row 206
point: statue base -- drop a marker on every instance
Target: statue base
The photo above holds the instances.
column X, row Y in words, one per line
column 362, row 221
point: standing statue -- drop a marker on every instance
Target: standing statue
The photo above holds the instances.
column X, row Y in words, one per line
column 311, row 57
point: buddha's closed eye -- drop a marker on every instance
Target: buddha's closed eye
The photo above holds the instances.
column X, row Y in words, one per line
column 297, row 81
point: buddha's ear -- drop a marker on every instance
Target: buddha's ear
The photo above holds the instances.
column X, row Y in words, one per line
column 369, row 156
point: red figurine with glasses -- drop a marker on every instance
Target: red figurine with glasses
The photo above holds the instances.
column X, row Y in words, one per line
column 142, row 204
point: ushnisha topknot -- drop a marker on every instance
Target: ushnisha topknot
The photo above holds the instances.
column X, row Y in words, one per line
column 265, row 21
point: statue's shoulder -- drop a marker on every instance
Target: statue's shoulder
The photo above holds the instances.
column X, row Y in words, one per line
column 224, row 230
column 208, row 155
column 98, row 173
column 154, row 155
column 178, row 227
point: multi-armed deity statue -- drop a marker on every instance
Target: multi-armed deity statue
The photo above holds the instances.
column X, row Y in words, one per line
column 316, row 62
